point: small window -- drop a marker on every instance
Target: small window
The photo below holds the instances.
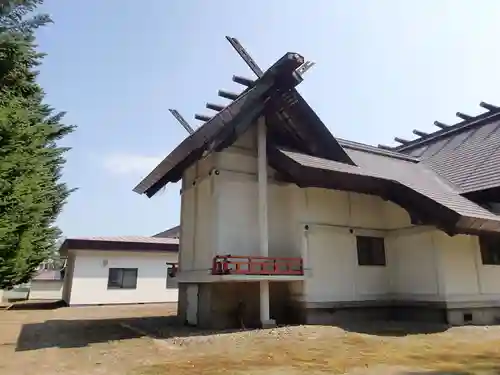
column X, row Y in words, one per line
column 371, row 251
column 490, row 250
column 122, row 278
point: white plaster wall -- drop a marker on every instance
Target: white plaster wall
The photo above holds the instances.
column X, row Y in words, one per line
column 196, row 245
column 90, row 278
column 465, row 278
column 334, row 271
column 412, row 266
column 46, row 290
column 219, row 216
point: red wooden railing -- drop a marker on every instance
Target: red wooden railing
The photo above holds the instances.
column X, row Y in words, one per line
column 256, row 265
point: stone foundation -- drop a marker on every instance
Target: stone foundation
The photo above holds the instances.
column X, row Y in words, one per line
column 182, row 302
column 473, row 316
column 218, row 308
column 346, row 315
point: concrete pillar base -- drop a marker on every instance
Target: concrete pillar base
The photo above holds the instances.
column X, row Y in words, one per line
column 270, row 323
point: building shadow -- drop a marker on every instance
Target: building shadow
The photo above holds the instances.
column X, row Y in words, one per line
column 82, row 333
column 392, row 328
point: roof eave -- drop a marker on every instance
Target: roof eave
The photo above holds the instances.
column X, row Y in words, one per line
column 420, row 207
column 90, row 244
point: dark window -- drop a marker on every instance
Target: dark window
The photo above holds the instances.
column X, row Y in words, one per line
column 490, row 250
column 371, row 251
column 171, row 276
column 122, row 278
column 467, row 317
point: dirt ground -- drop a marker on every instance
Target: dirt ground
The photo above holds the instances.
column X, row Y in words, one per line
column 147, row 340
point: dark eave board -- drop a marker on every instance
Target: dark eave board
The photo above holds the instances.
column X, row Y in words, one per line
column 114, row 245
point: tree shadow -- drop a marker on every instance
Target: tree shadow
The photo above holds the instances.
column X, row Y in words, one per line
column 82, row 333
column 37, row 305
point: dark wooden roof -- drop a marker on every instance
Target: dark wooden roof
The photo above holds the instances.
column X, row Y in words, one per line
column 290, row 119
column 121, row 243
column 407, row 183
column 466, row 154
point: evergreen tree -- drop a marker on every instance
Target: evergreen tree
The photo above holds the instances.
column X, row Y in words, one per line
column 31, row 194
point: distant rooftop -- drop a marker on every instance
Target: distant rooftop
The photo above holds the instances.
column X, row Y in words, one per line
column 121, row 243
column 174, row 232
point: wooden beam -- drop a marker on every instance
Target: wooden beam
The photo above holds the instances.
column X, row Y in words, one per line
column 235, row 43
column 401, row 140
column 441, row 125
column 215, row 107
column 489, row 107
column 243, row 81
column 228, row 95
column 181, row 120
column 420, row 133
column 203, row 118
column 464, row 117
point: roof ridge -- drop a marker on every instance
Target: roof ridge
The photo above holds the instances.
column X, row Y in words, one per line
column 375, row 150
column 469, row 121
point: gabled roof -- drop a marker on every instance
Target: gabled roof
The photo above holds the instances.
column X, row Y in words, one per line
column 466, row 154
column 289, row 118
column 304, row 151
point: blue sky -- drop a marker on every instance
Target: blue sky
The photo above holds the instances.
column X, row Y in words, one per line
column 382, row 69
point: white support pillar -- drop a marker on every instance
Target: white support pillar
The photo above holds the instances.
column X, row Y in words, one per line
column 262, row 212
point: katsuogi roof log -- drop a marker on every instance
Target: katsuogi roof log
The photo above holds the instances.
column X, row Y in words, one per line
column 489, row 107
column 238, row 114
column 202, row 117
column 243, row 81
column 464, row 117
column 228, row 95
column 401, row 140
column 215, row 107
column 420, row 133
column 441, row 125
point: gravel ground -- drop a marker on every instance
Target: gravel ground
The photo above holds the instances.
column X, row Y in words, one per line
column 147, row 340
